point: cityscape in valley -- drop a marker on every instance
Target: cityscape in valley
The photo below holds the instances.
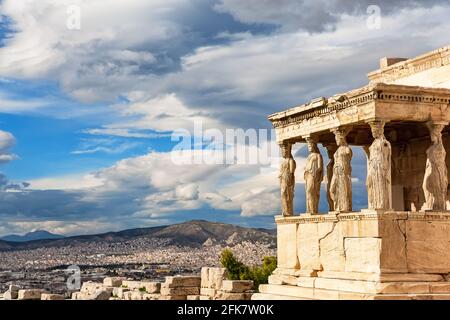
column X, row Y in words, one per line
column 138, row 254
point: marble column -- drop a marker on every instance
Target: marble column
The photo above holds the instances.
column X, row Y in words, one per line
column 379, row 180
column 331, row 149
column 287, row 179
column 341, row 182
column 313, row 176
column 435, row 181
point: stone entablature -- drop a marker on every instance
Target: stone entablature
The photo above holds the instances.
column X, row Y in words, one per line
column 383, row 101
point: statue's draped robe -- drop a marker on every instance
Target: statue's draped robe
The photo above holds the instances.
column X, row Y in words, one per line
column 341, row 183
column 287, row 184
column 313, row 178
column 379, row 174
column 435, row 181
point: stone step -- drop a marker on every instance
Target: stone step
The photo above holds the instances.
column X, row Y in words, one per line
column 387, row 277
column 269, row 296
column 296, row 292
column 358, row 286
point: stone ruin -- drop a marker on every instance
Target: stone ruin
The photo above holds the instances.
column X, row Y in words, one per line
column 211, row 285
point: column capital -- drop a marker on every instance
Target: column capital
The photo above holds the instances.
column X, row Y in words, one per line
column 343, row 130
column 436, row 124
column 377, row 120
column 311, row 138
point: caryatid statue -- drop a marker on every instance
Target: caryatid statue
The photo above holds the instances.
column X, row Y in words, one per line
column 287, row 179
column 435, row 181
column 378, row 183
column 313, row 176
column 331, row 149
column 341, row 182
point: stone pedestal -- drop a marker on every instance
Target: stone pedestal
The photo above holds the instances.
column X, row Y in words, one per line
column 364, row 255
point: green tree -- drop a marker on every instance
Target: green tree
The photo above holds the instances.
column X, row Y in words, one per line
column 239, row 271
column 234, row 267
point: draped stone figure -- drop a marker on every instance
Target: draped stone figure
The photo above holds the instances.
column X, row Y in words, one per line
column 313, row 176
column 287, row 180
column 331, row 149
column 378, row 182
column 435, row 181
column 341, row 183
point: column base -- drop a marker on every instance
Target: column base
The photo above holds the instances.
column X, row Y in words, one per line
column 355, row 286
column 338, row 289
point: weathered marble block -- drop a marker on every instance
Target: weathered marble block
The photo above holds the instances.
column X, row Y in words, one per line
column 179, row 291
column 113, row 281
column 30, row 294
column 207, row 292
column 183, row 281
column 368, row 242
column 237, row 286
column 286, row 239
column 50, row 296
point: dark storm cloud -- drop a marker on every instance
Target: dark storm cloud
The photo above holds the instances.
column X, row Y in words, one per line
column 311, row 15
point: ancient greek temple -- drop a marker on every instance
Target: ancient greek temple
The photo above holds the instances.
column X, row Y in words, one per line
column 399, row 246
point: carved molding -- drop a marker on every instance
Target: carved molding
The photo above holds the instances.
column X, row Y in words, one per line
column 327, row 109
column 378, row 92
column 358, row 216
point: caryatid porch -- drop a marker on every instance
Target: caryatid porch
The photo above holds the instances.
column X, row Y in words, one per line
column 399, row 247
column 403, row 131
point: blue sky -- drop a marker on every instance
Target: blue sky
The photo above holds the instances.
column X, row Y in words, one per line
column 86, row 114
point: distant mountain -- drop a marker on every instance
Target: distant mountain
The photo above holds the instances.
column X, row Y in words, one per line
column 199, row 231
column 191, row 233
column 31, row 236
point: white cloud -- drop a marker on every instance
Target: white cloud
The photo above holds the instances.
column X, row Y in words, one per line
column 293, row 67
column 10, row 104
column 104, row 145
column 7, row 141
column 125, row 132
column 259, row 204
column 67, row 182
column 163, row 113
column 105, row 46
column 187, row 191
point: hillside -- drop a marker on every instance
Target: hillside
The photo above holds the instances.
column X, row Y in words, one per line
column 192, row 233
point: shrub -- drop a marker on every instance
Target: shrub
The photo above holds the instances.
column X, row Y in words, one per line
column 239, row 271
column 234, row 267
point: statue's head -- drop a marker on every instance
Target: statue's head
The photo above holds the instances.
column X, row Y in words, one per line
column 377, row 128
column 312, row 144
column 435, row 131
column 286, row 149
column 339, row 135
